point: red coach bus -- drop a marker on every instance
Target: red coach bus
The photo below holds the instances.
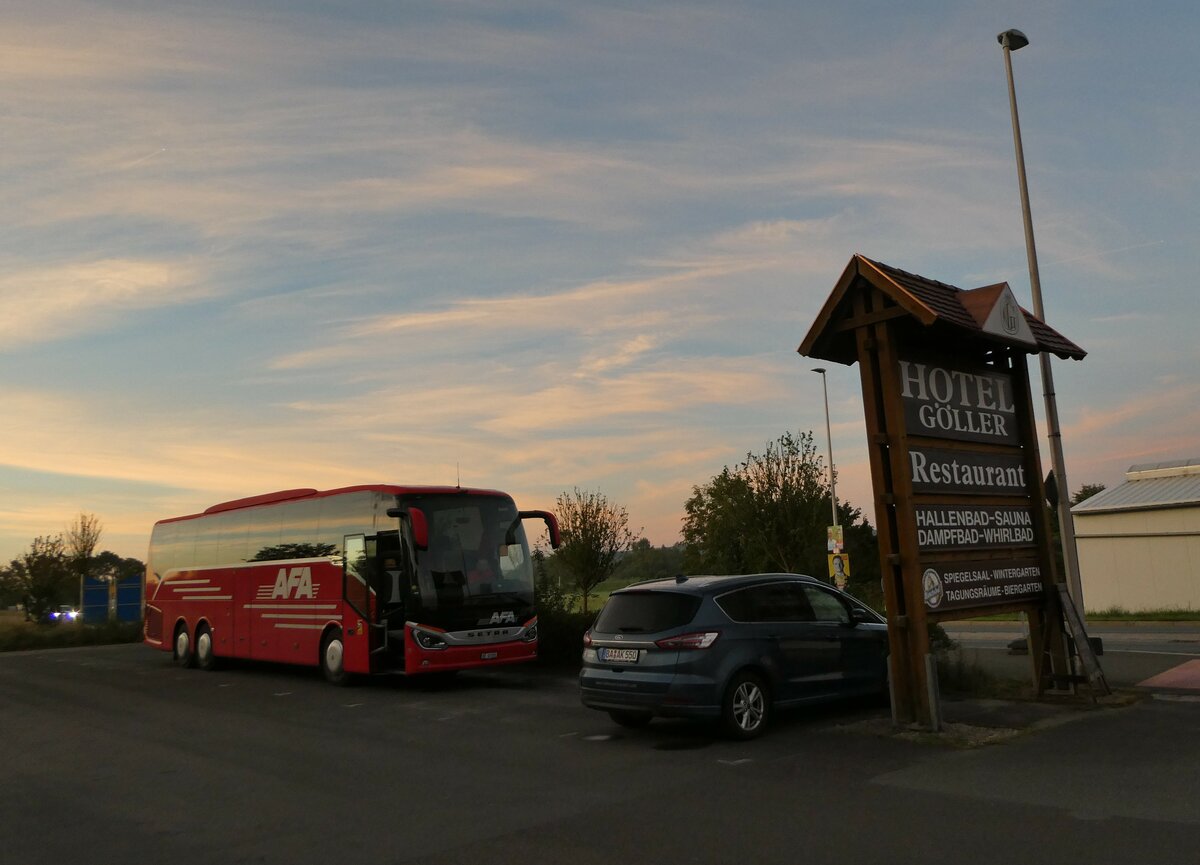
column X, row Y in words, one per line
column 364, row 579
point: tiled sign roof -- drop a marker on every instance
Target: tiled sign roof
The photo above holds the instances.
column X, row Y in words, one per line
column 927, row 301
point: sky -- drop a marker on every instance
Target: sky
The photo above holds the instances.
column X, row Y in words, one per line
column 537, row 246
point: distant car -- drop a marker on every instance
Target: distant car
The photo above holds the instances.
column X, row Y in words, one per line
column 730, row 648
column 65, row 613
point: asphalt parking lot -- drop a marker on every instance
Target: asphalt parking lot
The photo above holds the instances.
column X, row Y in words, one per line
column 114, row 755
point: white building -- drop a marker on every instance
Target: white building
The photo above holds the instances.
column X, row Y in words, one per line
column 1139, row 543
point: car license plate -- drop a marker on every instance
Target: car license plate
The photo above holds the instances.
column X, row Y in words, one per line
column 488, row 656
column 621, row 656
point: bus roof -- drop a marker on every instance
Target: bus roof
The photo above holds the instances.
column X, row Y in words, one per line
column 305, row 493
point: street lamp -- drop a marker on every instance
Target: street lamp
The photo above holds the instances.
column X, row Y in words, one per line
column 829, row 440
column 1010, row 41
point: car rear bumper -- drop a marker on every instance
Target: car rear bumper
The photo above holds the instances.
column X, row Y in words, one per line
column 667, row 695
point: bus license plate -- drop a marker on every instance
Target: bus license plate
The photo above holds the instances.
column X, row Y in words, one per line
column 622, row 656
column 487, row 656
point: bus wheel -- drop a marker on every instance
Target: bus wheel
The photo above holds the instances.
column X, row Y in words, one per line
column 183, row 646
column 332, row 657
column 205, row 659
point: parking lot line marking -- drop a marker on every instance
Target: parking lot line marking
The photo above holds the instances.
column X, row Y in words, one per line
column 283, row 694
column 600, row 737
column 352, row 705
column 567, row 735
column 737, row 762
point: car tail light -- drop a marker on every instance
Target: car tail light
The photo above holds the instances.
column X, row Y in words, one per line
column 587, row 638
column 699, row 640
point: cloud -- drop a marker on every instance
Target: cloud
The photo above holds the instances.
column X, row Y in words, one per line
column 603, row 307
column 1159, row 424
column 57, row 302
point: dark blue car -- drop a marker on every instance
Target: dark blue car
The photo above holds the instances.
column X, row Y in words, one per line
column 730, row 649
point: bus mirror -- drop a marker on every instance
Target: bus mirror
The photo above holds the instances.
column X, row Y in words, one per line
column 416, row 519
column 420, row 528
column 551, row 525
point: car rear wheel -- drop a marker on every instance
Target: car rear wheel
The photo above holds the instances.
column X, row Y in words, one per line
column 747, row 706
column 632, row 720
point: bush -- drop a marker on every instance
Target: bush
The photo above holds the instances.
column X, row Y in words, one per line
column 940, row 643
column 560, row 625
column 960, row 677
column 21, row 636
column 560, row 637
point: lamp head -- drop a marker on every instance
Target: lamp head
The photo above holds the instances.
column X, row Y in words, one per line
column 1013, row 40
column 819, row 369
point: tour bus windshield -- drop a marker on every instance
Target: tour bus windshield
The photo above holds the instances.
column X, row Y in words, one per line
column 470, row 561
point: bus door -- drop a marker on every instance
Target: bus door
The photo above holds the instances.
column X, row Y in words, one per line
column 361, row 602
column 392, row 591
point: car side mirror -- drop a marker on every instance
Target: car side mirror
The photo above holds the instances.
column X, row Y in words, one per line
column 858, row 616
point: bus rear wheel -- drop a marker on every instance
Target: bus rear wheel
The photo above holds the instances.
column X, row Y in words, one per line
column 182, row 651
column 205, row 659
column 333, row 662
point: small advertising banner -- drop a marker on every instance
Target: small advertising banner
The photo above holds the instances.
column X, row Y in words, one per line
column 960, row 585
column 839, row 569
column 836, row 539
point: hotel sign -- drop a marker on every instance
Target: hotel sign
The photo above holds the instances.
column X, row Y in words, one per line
column 955, row 470
column 971, row 406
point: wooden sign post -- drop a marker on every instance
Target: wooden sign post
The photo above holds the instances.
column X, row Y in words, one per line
column 962, row 520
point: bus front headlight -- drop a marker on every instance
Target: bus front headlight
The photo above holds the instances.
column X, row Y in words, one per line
column 428, row 639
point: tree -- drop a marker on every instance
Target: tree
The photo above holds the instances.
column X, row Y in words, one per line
column 769, row 514
column 40, row 578
column 594, row 532
column 1085, row 492
column 646, row 562
column 549, row 595
column 80, row 541
column 110, row 567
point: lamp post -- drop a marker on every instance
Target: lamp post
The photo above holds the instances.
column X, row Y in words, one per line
column 1010, row 41
column 829, row 441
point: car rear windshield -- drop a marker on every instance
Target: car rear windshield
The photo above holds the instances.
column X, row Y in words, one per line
column 646, row 612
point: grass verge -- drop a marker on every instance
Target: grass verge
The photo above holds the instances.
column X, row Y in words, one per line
column 1112, row 614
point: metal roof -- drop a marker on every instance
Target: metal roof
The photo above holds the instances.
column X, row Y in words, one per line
column 1149, row 485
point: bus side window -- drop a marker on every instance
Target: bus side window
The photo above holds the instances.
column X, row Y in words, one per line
column 342, row 516
column 231, row 549
column 263, row 525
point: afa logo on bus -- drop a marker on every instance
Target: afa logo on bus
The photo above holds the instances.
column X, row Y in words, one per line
column 299, row 579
